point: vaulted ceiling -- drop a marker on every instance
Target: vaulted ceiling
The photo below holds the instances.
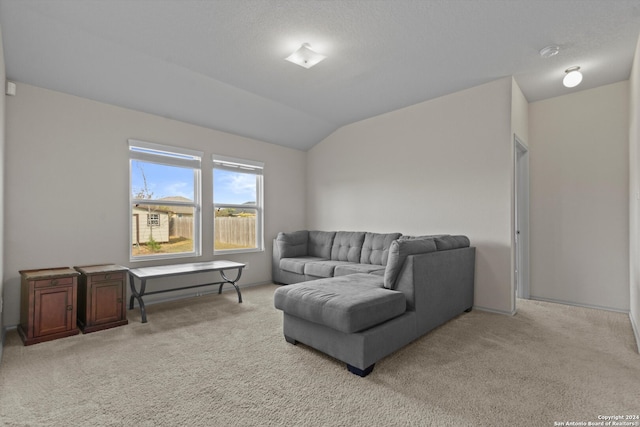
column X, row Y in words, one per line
column 220, row 63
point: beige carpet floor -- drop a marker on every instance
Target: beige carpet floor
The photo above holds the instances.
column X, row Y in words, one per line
column 209, row 361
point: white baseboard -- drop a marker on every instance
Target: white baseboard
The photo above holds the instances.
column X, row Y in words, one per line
column 492, row 310
column 2, row 338
column 575, row 304
column 636, row 329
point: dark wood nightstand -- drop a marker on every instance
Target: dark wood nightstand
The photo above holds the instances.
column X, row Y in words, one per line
column 101, row 297
column 47, row 304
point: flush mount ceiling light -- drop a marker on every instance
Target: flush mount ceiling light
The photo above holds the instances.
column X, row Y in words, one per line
column 549, row 51
column 305, row 57
column 573, row 77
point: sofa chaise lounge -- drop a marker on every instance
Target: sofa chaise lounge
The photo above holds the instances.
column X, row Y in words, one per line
column 360, row 296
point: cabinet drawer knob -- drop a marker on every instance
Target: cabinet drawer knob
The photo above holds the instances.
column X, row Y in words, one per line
column 107, row 277
column 69, row 308
column 119, row 300
column 54, row 282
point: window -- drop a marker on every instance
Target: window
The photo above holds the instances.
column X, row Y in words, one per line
column 153, row 220
column 238, row 205
column 164, row 201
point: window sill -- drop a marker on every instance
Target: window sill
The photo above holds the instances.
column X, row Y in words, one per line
column 237, row 251
column 163, row 256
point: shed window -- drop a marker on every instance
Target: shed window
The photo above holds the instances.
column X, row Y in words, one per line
column 153, row 220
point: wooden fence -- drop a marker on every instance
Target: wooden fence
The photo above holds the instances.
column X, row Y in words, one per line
column 240, row 231
column 181, row 227
column 236, row 230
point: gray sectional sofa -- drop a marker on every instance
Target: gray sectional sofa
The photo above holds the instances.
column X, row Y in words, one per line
column 360, row 296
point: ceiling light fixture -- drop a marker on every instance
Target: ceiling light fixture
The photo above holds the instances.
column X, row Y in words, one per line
column 573, row 77
column 305, row 57
column 549, row 51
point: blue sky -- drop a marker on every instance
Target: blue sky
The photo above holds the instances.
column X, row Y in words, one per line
column 168, row 181
column 233, row 187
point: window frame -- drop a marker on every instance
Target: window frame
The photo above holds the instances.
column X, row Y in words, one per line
column 153, row 219
column 168, row 156
column 235, row 164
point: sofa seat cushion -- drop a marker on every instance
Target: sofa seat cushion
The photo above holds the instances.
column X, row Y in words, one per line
column 323, row 268
column 351, row 268
column 348, row 304
column 296, row 265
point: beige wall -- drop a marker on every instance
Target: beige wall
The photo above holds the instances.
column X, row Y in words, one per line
column 441, row 166
column 634, row 194
column 67, row 178
column 579, row 197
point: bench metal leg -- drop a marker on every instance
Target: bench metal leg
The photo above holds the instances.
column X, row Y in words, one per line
column 138, row 296
column 231, row 282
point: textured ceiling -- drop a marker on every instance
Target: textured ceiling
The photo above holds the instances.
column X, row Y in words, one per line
column 220, row 63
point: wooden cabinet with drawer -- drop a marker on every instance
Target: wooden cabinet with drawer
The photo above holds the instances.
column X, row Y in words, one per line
column 101, row 297
column 47, row 304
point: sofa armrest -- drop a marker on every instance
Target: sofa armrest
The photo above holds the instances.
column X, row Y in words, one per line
column 438, row 285
column 399, row 250
column 275, row 263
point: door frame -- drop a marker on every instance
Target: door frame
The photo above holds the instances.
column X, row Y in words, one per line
column 521, row 220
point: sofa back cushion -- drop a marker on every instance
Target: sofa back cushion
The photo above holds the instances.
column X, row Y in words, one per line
column 320, row 243
column 398, row 252
column 347, row 246
column 375, row 249
column 293, row 244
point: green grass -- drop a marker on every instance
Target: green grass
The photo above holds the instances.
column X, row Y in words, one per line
column 224, row 245
column 177, row 245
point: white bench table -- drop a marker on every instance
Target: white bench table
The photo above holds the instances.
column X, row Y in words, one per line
column 145, row 273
